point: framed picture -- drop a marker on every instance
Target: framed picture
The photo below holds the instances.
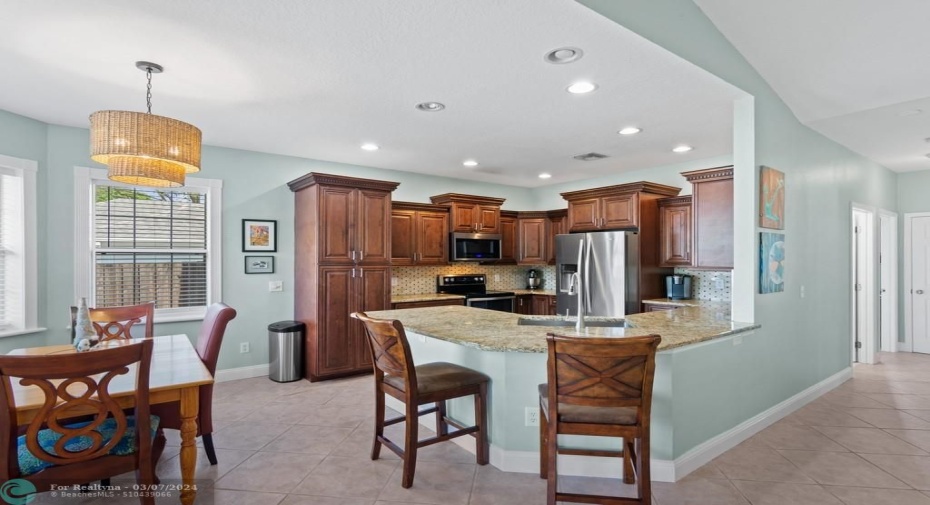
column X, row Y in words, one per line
column 771, row 199
column 771, row 263
column 259, row 235
column 259, row 264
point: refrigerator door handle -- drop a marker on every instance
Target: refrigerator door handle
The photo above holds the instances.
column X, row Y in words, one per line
column 587, row 276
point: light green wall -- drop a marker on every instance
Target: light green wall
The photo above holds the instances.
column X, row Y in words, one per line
column 802, row 341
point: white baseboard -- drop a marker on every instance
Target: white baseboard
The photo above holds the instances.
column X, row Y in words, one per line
column 662, row 470
column 244, row 372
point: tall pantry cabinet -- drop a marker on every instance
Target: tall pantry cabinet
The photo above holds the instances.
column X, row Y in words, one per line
column 342, row 264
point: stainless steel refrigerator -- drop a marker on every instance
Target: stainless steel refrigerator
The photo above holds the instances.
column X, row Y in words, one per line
column 608, row 265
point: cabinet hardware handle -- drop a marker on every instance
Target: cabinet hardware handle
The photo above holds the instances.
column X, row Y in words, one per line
column 361, row 255
column 353, row 255
column 361, row 273
column 920, row 291
column 353, row 273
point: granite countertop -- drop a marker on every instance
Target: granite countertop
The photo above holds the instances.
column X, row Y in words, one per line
column 547, row 292
column 425, row 297
column 491, row 330
column 688, row 303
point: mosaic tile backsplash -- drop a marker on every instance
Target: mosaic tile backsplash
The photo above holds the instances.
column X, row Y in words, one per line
column 710, row 285
column 419, row 280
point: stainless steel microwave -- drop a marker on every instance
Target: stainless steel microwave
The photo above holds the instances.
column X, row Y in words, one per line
column 474, row 247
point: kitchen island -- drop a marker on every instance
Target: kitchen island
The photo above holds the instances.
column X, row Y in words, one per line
column 700, row 348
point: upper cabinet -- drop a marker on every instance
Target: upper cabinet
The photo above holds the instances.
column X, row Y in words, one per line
column 675, row 231
column 558, row 224
column 470, row 213
column 712, row 208
column 419, row 234
column 509, row 240
column 613, row 207
column 532, row 238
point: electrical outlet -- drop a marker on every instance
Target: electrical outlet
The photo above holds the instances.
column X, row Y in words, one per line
column 497, row 278
column 275, row 286
column 719, row 283
column 244, row 347
column 802, row 291
column 394, row 281
column 532, row 416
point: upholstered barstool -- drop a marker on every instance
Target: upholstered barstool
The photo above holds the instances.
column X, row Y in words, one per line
column 396, row 375
column 598, row 387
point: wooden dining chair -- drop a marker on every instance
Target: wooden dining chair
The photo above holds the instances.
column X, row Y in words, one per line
column 598, row 387
column 208, row 345
column 117, row 322
column 419, row 385
column 56, row 452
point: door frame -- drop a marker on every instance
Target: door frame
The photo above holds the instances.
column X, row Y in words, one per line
column 867, row 351
column 888, row 246
column 908, row 344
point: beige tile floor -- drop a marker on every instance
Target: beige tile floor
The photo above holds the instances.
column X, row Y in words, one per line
column 865, row 443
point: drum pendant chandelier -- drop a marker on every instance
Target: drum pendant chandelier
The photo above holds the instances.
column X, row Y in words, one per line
column 143, row 149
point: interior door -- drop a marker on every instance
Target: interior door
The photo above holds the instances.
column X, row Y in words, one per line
column 920, row 283
column 858, row 279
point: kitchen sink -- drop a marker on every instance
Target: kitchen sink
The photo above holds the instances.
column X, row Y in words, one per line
column 527, row 321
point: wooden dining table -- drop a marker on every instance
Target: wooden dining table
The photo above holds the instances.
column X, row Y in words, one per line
column 176, row 375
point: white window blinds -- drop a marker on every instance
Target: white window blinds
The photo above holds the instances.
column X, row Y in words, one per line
column 150, row 246
column 12, row 244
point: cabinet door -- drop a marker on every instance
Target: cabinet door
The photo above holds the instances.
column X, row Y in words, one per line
column 337, row 299
column 524, row 304
column 675, row 235
column 464, row 217
column 540, row 305
column 552, row 311
column 373, row 242
column 489, row 217
column 403, row 237
column 583, row 215
column 508, row 230
column 337, row 230
column 432, row 238
column 713, row 224
column 531, row 241
column 620, row 211
column 373, row 292
column 557, row 226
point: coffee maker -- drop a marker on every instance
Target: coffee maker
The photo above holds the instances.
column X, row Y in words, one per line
column 678, row 287
column 533, row 279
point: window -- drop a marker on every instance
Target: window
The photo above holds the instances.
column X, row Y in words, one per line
column 147, row 244
column 18, row 284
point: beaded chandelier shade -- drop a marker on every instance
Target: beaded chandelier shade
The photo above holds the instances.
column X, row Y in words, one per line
column 143, row 149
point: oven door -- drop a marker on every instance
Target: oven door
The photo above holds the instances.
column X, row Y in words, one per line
column 501, row 303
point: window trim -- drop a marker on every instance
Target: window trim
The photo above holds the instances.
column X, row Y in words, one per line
column 27, row 170
column 84, row 180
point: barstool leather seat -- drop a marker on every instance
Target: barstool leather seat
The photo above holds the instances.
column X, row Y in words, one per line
column 440, row 376
column 624, row 416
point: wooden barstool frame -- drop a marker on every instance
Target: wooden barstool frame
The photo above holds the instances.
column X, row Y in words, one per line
column 593, row 374
column 391, row 356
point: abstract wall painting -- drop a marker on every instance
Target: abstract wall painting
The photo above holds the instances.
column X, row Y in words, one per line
column 771, row 262
column 771, row 199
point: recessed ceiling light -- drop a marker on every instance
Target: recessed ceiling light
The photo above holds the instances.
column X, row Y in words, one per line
column 430, row 106
column 563, row 55
column 582, row 87
column 545, row 176
column 682, row 149
column 470, row 163
column 911, row 112
column 370, row 147
column 629, row 130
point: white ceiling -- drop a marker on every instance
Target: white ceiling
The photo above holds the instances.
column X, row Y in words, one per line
column 318, row 78
column 854, row 70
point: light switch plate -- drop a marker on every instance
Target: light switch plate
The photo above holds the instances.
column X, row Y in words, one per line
column 274, row 286
column 394, row 281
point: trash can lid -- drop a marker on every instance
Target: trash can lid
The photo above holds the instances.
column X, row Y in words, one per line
column 286, row 326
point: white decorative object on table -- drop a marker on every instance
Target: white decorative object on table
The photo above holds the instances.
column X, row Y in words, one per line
column 83, row 328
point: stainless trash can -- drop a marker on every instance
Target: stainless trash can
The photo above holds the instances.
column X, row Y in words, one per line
column 286, row 350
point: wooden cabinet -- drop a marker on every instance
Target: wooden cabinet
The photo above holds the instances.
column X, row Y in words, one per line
column 712, row 210
column 558, row 224
column 532, row 238
column 342, row 231
column 613, row 207
column 428, row 303
column 541, row 305
column 654, row 307
column 535, row 305
column 523, row 304
column 508, row 231
column 471, row 213
column 419, row 234
column 675, row 231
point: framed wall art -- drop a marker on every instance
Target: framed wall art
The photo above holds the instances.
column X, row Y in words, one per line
column 771, row 262
column 771, row 199
column 259, row 264
column 259, row 235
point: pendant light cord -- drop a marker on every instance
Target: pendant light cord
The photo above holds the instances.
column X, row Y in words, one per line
column 148, row 89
